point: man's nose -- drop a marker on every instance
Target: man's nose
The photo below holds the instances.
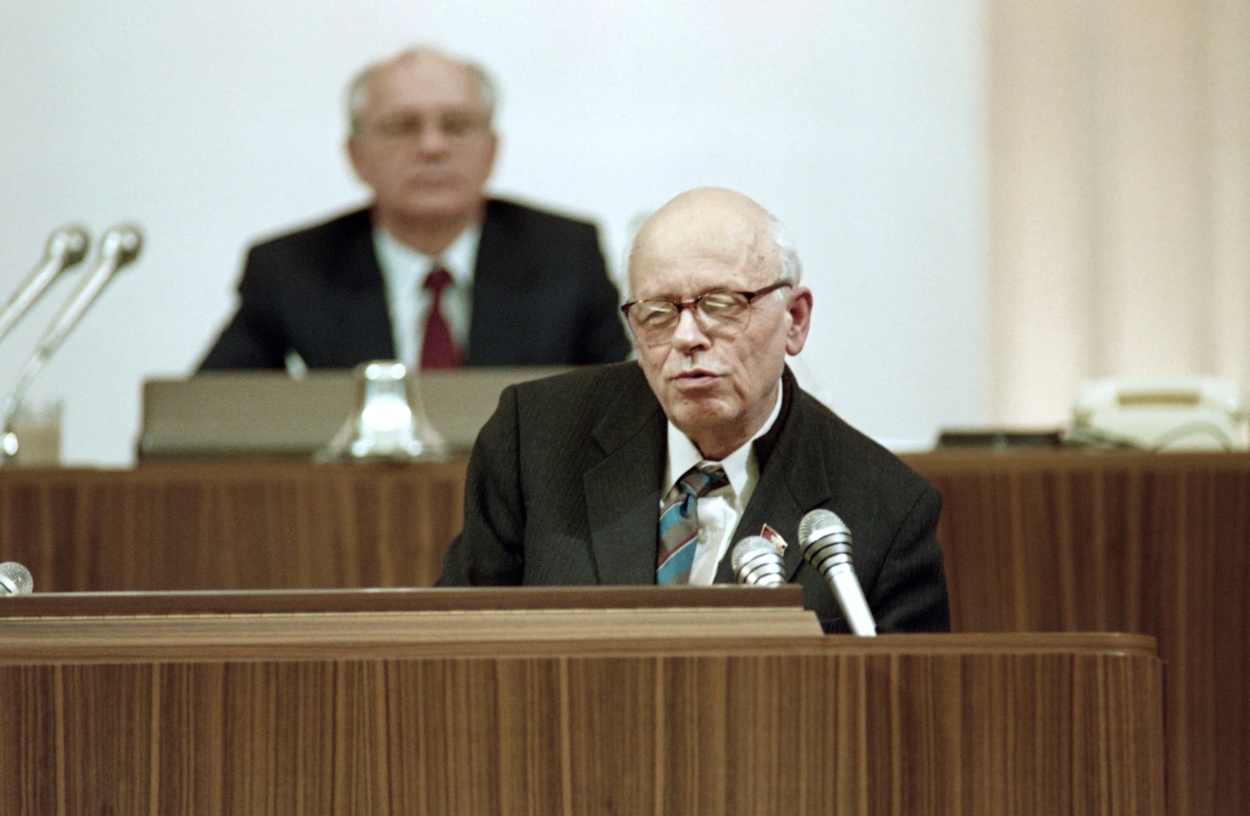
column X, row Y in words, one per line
column 688, row 333
column 433, row 139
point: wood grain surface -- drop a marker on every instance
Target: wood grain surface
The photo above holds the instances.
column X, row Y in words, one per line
column 938, row 724
column 1069, row 541
column 1048, row 541
column 231, row 525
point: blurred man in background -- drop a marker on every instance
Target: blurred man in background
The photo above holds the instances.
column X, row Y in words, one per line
column 434, row 272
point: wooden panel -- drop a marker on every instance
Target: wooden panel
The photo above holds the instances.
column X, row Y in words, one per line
column 1034, row 541
column 927, row 724
column 463, row 632
column 245, row 525
column 1102, row 541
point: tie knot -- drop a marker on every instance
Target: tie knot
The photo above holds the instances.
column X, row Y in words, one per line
column 703, row 479
column 437, row 280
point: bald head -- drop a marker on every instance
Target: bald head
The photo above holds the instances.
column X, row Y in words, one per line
column 719, row 308
column 720, row 224
column 479, row 81
column 422, row 141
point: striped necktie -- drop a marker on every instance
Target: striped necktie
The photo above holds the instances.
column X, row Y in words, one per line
column 679, row 523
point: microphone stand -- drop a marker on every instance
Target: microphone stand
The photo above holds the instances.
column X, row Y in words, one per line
column 118, row 247
column 66, row 247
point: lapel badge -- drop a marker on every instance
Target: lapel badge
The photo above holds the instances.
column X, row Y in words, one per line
column 773, row 537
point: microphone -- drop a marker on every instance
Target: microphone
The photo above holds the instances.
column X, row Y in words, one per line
column 756, row 562
column 66, row 247
column 15, row 579
column 118, row 247
column 826, row 543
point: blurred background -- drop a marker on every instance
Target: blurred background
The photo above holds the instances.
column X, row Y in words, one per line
column 993, row 201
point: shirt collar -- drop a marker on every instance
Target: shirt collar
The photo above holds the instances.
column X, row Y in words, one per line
column 741, row 466
column 459, row 259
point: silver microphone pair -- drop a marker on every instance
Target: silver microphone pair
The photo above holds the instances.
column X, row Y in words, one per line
column 66, row 248
column 826, row 543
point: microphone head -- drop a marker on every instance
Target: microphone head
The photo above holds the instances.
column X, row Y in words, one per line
column 122, row 244
column 825, row 539
column 756, row 562
column 69, row 244
column 15, row 579
column 820, row 523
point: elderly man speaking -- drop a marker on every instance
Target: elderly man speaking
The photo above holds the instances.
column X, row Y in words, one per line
column 574, row 479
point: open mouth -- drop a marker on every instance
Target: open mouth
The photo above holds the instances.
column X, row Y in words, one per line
column 697, row 376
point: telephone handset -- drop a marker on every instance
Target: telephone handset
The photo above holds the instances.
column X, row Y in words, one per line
column 1193, row 413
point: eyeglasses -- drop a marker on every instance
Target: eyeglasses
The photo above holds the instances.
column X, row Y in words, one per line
column 453, row 125
column 719, row 314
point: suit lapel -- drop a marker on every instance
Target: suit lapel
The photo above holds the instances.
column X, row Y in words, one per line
column 623, row 490
column 793, row 482
column 502, row 265
column 485, row 293
column 364, row 323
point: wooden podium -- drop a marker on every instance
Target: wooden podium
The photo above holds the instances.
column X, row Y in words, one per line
column 1034, row 541
column 647, row 700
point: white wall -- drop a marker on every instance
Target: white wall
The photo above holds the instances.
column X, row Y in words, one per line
column 858, row 122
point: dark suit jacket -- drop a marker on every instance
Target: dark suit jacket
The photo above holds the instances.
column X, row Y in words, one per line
column 541, row 296
column 564, row 488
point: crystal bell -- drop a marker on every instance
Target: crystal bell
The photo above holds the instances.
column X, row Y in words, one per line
column 388, row 422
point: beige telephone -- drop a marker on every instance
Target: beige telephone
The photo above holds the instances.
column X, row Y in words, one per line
column 1184, row 413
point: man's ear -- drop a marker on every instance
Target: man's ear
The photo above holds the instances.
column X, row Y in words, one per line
column 799, row 307
column 494, row 151
column 351, row 146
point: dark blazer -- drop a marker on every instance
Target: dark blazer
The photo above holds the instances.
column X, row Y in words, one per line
column 541, row 296
column 564, row 488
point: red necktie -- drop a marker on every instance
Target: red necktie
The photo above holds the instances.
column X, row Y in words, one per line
column 438, row 350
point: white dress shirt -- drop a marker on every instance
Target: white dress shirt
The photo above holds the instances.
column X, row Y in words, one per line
column 404, row 270
column 720, row 510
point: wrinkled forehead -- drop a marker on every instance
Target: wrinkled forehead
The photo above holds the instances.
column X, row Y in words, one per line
column 693, row 250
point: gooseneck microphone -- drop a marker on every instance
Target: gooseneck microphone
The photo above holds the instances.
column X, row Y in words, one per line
column 66, row 247
column 118, row 247
column 756, row 562
column 15, row 579
column 826, row 543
